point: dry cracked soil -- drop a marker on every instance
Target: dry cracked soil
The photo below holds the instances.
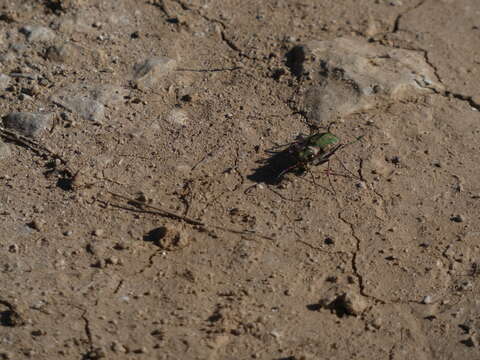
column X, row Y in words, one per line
column 141, row 214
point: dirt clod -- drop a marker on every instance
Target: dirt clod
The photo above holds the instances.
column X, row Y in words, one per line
column 168, row 238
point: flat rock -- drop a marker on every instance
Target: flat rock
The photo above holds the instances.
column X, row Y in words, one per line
column 108, row 94
column 89, row 101
column 148, row 74
column 36, row 33
column 352, row 75
column 5, row 151
column 85, row 106
column 28, row 123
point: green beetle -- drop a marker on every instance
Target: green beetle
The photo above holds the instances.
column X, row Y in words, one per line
column 315, row 149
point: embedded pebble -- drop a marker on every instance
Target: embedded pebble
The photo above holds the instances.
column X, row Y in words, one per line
column 168, row 238
column 36, row 33
column 178, row 117
column 65, row 53
column 113, row 260
column 108, row 94
column 89, row 103
column 120, row 246
column 470, row 342
column 353, row 303
column 98, row 232
column 148, row 74
column 88, row 108
column 348, row 302
column 28, row 123
column 117, row 347
column 5, row 150
column 4, row 81
column 361, row 185
column 427, row 300
column 95, row 354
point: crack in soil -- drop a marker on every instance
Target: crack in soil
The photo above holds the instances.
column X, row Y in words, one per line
column 446, row 93
column 149, row 265
column 230, row 43
column 360, row 279
column 87, row 330
column 117, row 289
column 466, row 98
column 427, row 60
column 396, row 24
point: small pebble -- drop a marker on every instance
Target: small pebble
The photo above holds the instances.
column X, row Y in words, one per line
column 470, row 342
column 112, row 260
column 395, row 160
column 38, row 33
column 28, row 124
column 13, row 248
column 329, row 241
column 96, row 354
column 427, row 300
column 98, row 232
column 117, row 347
column 142, row 350
column 150, row 72
column 120, row 246
column 361, row 185
column 458, row 218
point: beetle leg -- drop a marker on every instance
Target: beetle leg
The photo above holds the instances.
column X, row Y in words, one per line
column 347, row 170
column 288, row 169
column 329, row 179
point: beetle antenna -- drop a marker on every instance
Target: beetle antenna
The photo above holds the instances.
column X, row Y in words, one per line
column 351, row 142
column 286, row 170
column 330, row 180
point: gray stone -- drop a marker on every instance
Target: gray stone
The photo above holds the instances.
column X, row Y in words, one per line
column 77, row 23
column 352, row 75
column 427, row 300
column 66, row 53
column 148, row 74
column 86, row 107
column 28, row 123
column 177, row 117
column 88, row 101
column 4, row 81
column 5, row 151
column 36, row 33
column 353, row 303
column 108, row 94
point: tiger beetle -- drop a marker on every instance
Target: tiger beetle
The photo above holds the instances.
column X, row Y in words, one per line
column 315, row 150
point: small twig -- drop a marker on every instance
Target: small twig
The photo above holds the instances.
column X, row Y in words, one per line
column 330, row 180
column 23, row 141
column 211, row 70
column 347, row 170
column 165, row 212
column 204, row 159
column 159, row 211
column 281, row 196
column 34, row 146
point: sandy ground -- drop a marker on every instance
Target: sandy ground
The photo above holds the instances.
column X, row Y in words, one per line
column 150, row 228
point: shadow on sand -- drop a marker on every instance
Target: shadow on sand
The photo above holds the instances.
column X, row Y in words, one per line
column 271, row 169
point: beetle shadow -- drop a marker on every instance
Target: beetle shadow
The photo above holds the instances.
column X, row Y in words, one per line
column 271, row 169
